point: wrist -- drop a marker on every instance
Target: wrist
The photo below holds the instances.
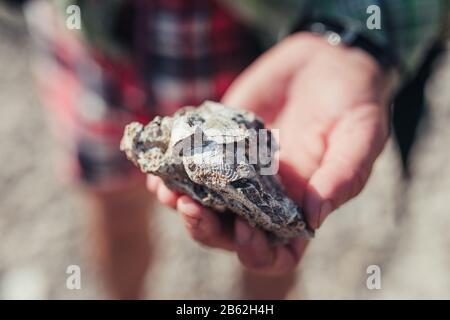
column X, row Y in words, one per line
column 350, row 35
column 354, row 58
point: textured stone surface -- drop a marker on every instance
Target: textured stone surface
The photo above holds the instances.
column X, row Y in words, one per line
column 221, row 157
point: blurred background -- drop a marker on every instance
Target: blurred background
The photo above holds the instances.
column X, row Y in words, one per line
column 399, row 224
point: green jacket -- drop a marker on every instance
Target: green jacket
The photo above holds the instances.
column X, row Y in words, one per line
column 408, row 27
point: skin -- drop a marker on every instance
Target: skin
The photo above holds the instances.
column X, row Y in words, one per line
column 330, row 104
column 122, row 243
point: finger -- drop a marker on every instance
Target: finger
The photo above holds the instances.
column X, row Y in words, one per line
column 298, row 247
column 204, row 225
column 167, row 196
column 256, row 254
column 152, row 183
column 252, row 246
column 285, row 261
column 191, row 212
column 352, row 149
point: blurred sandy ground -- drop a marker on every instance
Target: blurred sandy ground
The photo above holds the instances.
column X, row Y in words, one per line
column 43, row 229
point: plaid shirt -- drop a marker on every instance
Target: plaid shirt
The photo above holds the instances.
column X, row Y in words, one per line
column 408, row 27
column 134, row 59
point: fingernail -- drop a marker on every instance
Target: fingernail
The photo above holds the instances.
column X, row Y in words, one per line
column 150, row 181
column 244, row 233
column 188, row 208
column 325, row 210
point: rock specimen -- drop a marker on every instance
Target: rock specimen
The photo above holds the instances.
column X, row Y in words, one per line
column 221, row 157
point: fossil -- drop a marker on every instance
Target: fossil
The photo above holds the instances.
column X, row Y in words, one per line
column 221, row 157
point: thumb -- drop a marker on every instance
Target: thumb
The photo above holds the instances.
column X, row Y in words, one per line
column 352, row 149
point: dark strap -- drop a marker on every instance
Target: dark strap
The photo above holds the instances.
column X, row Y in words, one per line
column 349, row 36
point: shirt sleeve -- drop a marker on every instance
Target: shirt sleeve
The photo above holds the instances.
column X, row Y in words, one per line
column 408, row 28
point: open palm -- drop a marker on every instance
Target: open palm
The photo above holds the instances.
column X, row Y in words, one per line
column 330, row 106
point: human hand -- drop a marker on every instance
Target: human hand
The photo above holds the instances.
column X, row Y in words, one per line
column 330, row 105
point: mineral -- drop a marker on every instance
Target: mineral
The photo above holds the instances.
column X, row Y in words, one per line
column 221, row 157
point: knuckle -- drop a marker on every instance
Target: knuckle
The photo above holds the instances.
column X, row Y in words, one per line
column 254, row 262
column 359, row 179
column 198, row 236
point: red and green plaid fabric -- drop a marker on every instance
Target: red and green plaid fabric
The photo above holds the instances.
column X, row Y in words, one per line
column 144, row 58
column 133, row 59
column 408, row 27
